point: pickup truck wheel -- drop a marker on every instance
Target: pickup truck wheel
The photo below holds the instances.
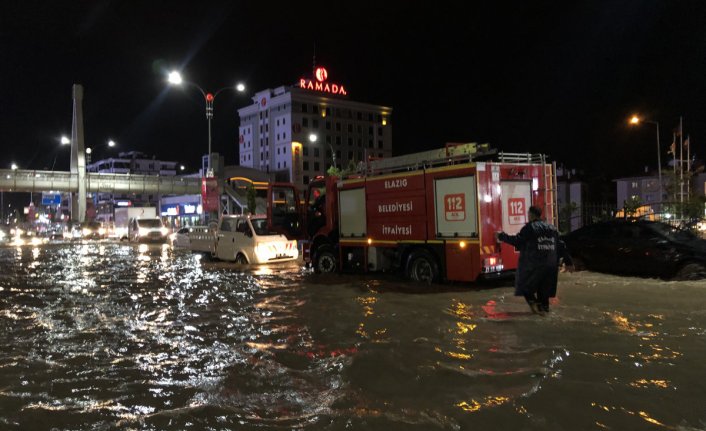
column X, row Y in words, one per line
column 240, row 259
column 691, row 271
column 421, row 266
column 325, row 260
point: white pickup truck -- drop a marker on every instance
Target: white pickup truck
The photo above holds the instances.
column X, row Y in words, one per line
column 243, row 239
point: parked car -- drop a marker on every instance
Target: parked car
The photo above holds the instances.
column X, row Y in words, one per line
column 642, row 248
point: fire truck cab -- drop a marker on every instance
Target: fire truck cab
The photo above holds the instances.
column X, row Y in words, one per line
column 433, row 215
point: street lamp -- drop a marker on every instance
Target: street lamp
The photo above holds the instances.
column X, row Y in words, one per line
column 313, row 138
column 65, row 141
column 635, row 120
column 13, row 166
column 110, row 144
column 174, row 78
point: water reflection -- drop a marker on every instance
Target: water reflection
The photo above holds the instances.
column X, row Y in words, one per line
column 121, row 336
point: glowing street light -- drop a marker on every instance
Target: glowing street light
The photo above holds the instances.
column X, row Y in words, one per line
column 635, row 120
column 175, row 78
column 14, row 166
column 64, row 140
column 111, row 143
column 313, row 138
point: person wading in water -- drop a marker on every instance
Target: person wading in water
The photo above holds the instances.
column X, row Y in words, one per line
column 540, row 250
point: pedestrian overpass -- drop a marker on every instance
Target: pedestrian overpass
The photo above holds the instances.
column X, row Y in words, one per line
column 18, row 180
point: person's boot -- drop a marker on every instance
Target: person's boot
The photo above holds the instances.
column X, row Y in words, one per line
column 535, row 307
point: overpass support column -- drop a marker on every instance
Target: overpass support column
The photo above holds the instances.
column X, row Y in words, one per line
column 78, row 157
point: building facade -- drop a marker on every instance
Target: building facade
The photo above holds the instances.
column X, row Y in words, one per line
column 298, row 131
column 132, row 162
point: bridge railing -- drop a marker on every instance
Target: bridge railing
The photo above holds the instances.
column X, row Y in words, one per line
column 38, row 181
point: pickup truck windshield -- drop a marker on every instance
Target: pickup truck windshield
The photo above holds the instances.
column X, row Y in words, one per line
column 260, row 227
column 149, row 222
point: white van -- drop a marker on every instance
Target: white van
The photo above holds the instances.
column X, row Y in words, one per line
column 246, row 239
column 147, row 230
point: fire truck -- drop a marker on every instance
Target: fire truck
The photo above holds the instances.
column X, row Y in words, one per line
column 432, row 215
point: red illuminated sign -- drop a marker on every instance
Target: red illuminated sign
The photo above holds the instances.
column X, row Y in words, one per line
column 321, row 75
column 516, row 210
column 455, row 207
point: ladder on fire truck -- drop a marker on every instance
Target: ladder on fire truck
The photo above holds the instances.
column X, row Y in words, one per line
column 449, row 155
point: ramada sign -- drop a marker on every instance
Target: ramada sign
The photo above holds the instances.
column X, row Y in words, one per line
column 320, row 84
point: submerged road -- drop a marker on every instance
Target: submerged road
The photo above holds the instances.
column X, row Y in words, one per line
column 116, row 336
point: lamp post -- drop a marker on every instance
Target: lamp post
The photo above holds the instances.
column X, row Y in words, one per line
column 110, row 144
column 635, row 120
column 313, row 138
column 174, row 78
column 64, row 140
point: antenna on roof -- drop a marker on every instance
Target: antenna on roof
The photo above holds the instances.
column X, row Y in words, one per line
column 313, row 60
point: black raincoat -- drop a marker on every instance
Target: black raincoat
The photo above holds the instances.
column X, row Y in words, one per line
column 540, row 249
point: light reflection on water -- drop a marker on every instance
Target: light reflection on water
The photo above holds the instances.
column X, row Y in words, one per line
column 103, row 335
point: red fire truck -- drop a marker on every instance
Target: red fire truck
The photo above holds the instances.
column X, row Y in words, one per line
column 432, row 215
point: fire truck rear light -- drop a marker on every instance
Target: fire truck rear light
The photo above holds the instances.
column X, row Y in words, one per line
column 462, row 244
column 370, row 241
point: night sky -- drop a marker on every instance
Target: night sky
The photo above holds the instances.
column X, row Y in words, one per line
column 544, row 77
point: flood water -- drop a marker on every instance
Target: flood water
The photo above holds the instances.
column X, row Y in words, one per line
column 115, row 336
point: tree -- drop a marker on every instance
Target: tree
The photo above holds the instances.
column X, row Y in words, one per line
column 252, row 204
column 631, row 205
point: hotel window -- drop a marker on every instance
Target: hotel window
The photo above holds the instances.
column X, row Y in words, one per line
column 316, row 152
column 315, row 109
column 316, row 166
column 278, row 122
column 350, row 141
column 338, row 140
column 328, row 111
column 306, row 166
column 328, row 125
column 379, row 131
column 315, row 123
column 304, row 109
column 306, row 179
column 338, row 126
column 370, row 143
column 306, row 151
column 328, row 139
column 380, row 144
column 370, row 117
column 305, row 122
column 278, row 136
column 360, row 115
column 350, row 155
column 360, row 142
column 350, row 128
column 284, row 121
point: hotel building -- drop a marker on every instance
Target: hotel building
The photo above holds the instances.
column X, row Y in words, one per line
column 298, row 131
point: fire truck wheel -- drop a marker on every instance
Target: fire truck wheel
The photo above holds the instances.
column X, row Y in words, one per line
column 325, row 259
column 240, row 259
column 421, row 266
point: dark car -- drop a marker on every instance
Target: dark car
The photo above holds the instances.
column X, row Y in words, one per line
column 642, row 248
